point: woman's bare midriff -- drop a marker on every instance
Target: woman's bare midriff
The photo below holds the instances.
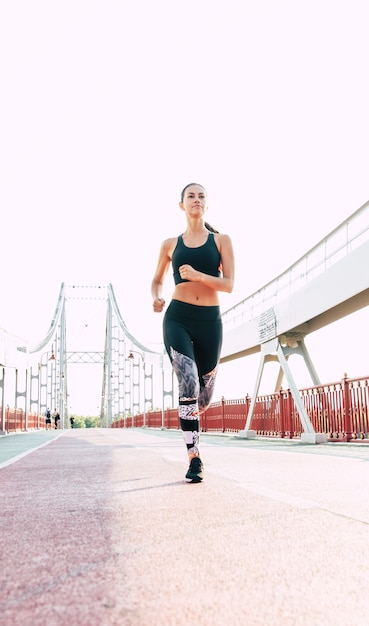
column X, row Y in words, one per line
column 196, row 293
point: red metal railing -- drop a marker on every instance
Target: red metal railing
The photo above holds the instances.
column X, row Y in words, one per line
column 16, row 420
column 340, row 409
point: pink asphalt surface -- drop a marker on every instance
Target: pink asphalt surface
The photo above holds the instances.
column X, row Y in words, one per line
column 100, row 528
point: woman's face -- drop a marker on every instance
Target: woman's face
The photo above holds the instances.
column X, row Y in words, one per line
column 194, row 201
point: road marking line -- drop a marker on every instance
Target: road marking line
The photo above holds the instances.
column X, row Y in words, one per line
column 20, row 456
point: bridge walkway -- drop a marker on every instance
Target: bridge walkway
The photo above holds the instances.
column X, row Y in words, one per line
column 99, row 528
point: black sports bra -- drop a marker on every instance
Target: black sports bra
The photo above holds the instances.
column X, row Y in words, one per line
column 205, row 258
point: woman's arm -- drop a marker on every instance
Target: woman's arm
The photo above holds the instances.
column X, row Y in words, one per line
column 160, row 274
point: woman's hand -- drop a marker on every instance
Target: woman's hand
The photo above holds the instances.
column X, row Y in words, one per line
column 158, row 305
column 187, row 272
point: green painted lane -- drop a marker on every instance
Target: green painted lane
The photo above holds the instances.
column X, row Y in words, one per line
column 18, row 445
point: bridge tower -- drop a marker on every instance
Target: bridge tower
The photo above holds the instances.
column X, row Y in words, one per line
column 130, row 371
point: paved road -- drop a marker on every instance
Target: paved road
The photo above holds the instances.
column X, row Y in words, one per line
column 99, row 528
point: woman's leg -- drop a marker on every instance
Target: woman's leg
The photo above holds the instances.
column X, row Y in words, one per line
column 207, row 354
column 188, row 408
column 179, row 346
column 207, row 389
column 193, row 342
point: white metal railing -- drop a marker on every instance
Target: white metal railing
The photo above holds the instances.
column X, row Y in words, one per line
column 348, row 236
column 12, row 349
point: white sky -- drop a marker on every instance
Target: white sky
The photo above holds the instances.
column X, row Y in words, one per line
column 109, row 108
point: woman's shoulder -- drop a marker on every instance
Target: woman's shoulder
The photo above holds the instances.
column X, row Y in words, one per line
column 223, row 242
column 168, row 245
column 222, row 238
column 171, row 241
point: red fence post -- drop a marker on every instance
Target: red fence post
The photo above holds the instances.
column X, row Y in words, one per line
column 347, row 413
column 282, row 405
column 223, row 423
column 247, row 407
column 247, row 404
column 291, row 405
column 203, row 423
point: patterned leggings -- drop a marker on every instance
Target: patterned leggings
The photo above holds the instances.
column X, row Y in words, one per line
column 193, row 340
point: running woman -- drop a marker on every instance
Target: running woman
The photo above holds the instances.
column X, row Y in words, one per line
column 203, row 265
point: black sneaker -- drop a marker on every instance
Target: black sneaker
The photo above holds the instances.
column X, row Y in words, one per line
column 195, row 471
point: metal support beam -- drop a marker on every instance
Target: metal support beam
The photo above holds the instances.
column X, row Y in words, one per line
column 297, row 346
column 274, row 347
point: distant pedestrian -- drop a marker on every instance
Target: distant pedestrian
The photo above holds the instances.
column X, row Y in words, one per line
column 72, row 422
column 56, row 419
column 48, row 419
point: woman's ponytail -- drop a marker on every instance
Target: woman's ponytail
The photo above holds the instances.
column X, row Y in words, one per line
column 211, row 228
